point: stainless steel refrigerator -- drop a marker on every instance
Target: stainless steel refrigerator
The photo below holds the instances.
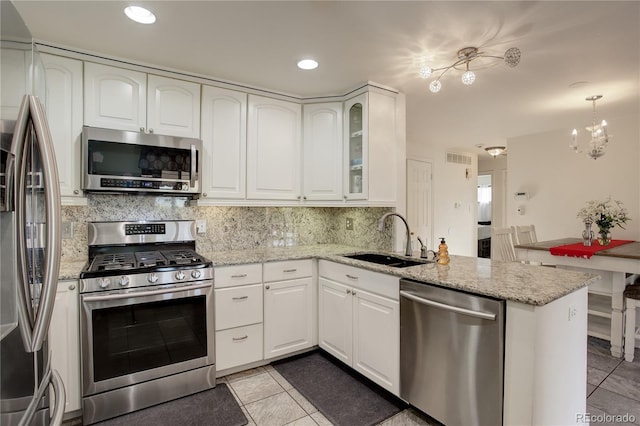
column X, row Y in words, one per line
column 29, row 234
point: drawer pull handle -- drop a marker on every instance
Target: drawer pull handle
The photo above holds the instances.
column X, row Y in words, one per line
column 240, row 298
column 353, row 277
column 289, row 270
column 239, row 276
column 237, row 339
column 348, row 291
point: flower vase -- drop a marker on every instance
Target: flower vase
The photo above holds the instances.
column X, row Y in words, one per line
column 587, row 234
column 604, row 237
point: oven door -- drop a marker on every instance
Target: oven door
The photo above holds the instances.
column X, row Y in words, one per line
column 133, row 336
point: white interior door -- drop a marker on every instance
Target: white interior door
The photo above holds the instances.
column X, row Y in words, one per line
column 419, row 202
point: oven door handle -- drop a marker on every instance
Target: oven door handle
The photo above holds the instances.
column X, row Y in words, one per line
column 142, row 293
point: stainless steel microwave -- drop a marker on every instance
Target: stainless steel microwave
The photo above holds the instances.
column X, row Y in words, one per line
column 118, row 161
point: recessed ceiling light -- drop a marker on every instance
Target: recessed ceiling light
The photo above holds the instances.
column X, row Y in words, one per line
column 307, row 64
column 140, row 14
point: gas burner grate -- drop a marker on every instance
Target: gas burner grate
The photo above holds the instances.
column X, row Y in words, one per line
column 114, row 261
column 182, row 257
column 149, row 258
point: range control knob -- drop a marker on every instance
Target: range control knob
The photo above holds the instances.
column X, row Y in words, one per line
column 103, row 282
column 153, row 278
column 196, row 273
column 123, row 280
column 180, row 275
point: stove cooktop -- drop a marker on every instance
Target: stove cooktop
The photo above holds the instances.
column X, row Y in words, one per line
column 108, row 264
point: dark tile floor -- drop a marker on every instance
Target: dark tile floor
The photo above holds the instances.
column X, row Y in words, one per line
column 613, row 386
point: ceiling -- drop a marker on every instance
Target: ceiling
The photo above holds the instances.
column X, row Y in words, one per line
column 595, row 44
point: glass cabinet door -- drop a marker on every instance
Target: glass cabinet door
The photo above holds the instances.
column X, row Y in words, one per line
column 355, row 146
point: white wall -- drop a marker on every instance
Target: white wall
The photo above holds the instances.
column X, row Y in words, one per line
column 560, row 182
column 451, row 188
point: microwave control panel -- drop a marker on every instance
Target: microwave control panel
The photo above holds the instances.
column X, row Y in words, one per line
column 144, row 184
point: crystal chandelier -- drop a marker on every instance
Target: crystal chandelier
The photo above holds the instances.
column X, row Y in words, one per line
column 494, row 151
column 465, row 57
column 599, row 135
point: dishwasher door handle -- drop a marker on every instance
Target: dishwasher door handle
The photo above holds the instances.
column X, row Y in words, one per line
column 456, row 309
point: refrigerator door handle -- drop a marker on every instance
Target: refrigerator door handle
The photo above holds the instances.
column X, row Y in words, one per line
column 60, row 398
column 8, row 183
column 25, row 310
column 34, row 324
column 53, row 220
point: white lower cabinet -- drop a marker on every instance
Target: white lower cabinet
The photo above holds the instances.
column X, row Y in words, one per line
column 357, row 326
column 238, row 346
column 238, row 315
column 64, row 342
column 289, row 307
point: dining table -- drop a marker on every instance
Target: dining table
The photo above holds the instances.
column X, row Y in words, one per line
column 613, row 263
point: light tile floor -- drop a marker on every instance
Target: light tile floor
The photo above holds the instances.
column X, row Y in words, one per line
column 268, row 399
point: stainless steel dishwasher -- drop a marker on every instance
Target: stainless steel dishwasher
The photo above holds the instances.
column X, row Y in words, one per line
column 451, row 354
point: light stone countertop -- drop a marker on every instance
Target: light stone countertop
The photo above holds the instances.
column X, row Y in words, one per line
column 529, row 284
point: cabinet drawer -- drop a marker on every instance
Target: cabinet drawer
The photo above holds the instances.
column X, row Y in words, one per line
column 375, row 282
column 238, row 346
column 226, row 276
column 236, row 306
column 288, row 270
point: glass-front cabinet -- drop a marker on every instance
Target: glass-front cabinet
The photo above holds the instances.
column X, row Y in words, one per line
column 356, row 141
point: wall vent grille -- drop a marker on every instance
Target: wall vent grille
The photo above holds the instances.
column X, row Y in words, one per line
column 456, row 158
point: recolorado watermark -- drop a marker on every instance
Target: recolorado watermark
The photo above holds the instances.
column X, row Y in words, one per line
column 605, row 418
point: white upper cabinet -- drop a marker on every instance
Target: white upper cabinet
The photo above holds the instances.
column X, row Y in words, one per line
column 356, row 182
column 115, row 98
column 224, row 139
column 322, row 151
column 173, row 107
column 64, row 113
column 122, row 99
column 371, row 147
column 273, row 149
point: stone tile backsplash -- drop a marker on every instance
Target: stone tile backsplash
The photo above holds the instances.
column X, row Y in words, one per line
column 233, row 228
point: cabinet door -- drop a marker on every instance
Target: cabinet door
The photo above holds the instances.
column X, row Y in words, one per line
column 322, row 151
column 376, row 339
column 288, row 316
column 64, row 341
column 224, row 139
column 114, row 98
column 173, row 107
column 335, row 319
column 356, row 133
column 273, row 149
column 64, row 113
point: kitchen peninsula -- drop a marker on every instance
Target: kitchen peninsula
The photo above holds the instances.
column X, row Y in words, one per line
column 546, row 319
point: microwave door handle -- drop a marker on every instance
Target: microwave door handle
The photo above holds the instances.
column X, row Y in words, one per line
column 53, row 224
column 18, row 146
column 193, row 177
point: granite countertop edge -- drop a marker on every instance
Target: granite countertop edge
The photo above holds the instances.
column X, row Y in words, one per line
column 497, row 279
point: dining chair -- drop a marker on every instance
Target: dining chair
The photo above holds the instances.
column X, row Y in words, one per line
column 502, row 244
column 525, row 234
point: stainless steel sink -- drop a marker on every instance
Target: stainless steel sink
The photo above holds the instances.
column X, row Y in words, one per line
column 387, row 259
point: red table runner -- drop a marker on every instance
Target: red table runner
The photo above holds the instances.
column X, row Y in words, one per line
column 579, row 250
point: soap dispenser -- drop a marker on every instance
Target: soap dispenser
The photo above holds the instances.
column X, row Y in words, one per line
column 443, row 252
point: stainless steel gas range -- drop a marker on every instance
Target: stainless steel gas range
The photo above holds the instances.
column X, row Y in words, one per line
column 147, row 320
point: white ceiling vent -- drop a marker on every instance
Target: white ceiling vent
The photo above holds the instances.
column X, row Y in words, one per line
column 456, row 158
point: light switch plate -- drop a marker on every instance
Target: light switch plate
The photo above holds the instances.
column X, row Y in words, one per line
column 201, row 226
column 67, row 230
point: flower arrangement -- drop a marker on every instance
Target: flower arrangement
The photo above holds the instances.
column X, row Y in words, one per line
column 606, row 215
